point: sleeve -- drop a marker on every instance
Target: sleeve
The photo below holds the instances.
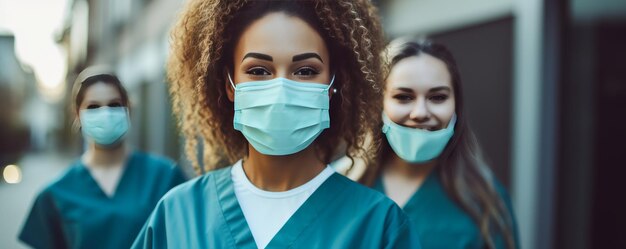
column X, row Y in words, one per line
column 153, row 234
column 401, row 233
column 43, row 228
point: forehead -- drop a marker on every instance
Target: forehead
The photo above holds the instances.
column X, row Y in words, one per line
column 101, row 92
column 279, row 34
column 423, row 71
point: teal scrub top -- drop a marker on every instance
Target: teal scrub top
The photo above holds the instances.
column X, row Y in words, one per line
column 441, row 223
column 73, row 211
column 205, row 213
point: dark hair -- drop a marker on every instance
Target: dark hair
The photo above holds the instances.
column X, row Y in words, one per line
column 255, row 10
column 461, row 167
column 202, row 49
column 89, row 77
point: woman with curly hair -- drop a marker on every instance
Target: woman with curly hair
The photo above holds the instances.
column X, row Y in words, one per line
column 273, row 89
column 430, row 161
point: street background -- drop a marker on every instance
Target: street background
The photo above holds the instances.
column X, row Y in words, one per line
column 545, row 86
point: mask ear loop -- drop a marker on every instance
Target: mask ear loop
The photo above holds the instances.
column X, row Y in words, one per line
column 231, row 81
column 452, row 122
column 332, row 80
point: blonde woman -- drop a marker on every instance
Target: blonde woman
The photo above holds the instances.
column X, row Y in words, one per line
column 103, row 198
column 430, row 163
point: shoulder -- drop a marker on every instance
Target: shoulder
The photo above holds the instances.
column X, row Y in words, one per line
column 362, row 197
column 66, row 181
column 506, row 199
column 501, row 191
column 153, row 160
column 376, row 210
column 196, row 188
column 157, row 166
column 63, row 186
column 361, row 192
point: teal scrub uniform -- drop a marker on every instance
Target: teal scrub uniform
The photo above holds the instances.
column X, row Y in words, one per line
column 73, row 211
column 441, row 223
column 205, row 213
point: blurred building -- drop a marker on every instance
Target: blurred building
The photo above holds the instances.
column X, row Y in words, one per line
column 17, row 86
column 132, row 37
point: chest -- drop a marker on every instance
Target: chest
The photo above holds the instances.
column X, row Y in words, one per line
column 96, row 221
column 107, row 178
column 438, row 219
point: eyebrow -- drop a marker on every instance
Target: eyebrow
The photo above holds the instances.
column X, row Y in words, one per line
column 305, row 56
column 434, row 89
column 440, row 88
column 404, row 89
column 258, row 56
column 110, row 101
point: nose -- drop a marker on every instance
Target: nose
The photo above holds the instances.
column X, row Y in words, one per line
column 283, row 73
column 420, row 112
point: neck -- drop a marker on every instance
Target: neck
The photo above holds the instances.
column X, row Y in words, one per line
column 398, row 166
column 282, row 173
column 98, row 156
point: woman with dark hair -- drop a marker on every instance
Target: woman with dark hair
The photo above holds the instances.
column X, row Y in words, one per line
column 102, row 199
column 430, row 162
column 271, row 88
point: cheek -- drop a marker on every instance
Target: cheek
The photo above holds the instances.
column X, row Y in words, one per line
column 444, row 111
column 397, row 112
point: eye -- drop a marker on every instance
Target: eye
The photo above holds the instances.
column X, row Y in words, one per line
column 403, row 97
column 257, row 71
column 439, row 98
column 115, row 104
column 306, row 71
column 93, row 106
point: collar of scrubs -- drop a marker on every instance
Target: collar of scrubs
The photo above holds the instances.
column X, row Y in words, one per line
column 236, row 221
column 429, row 182
column 120, row 183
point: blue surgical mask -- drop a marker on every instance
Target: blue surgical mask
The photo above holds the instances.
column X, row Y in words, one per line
column 416, row 145
column 104, row 125
column 281, row 116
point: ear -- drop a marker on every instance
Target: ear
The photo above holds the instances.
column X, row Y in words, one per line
column 332, row 91
column 230, row 92
column 130, row 112
column 76, row 122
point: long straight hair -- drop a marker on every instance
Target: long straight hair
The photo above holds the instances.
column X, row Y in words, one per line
column 462, row 170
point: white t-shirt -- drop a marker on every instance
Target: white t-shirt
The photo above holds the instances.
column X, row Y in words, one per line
column 266, row 212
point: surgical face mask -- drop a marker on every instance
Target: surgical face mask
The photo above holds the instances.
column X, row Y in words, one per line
column 281, row 116
column 415, row 145
column 104, row 125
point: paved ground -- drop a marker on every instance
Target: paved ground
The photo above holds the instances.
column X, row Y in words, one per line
column 38, row 169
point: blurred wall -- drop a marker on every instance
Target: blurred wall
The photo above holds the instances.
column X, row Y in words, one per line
column 132, row 37
column 402, row 17
column 590, row 203
column 16, row 87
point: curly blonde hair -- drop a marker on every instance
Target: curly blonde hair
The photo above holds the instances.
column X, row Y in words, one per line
column 201, row 50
